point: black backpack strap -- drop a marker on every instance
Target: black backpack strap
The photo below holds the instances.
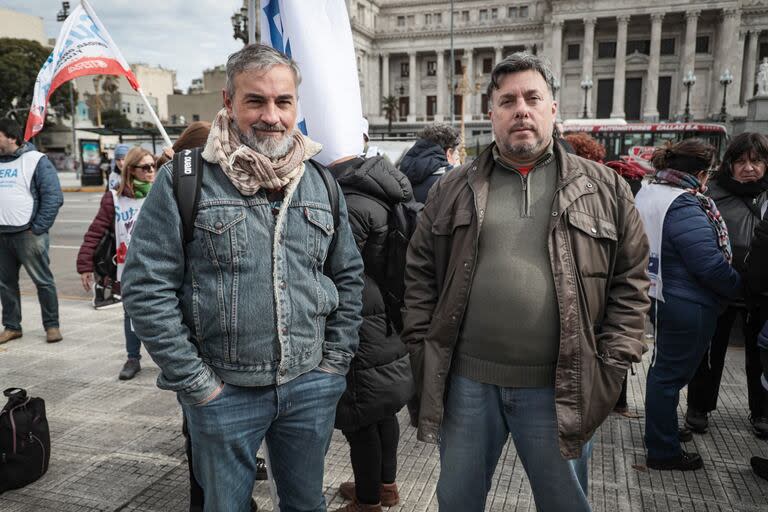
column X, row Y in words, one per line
column 187, row 181
column 333, row 197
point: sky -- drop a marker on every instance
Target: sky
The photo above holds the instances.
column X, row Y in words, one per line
column 187, row 36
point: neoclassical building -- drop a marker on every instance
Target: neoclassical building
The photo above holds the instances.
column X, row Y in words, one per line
column 635, row 54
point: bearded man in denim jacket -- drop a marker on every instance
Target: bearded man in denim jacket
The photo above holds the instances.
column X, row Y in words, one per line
column 246, row 326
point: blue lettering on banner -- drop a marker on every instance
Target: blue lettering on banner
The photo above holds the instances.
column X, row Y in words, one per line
column 9, row 173
column 124, row 216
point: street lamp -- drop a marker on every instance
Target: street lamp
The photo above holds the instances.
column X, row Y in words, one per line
column 62, row 15
column 240, row 25
column 586, row 84
column 688, row 81
column 64, row 12
column 725, row 80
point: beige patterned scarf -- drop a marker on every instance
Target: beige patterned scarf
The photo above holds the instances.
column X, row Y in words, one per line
column 248, row 170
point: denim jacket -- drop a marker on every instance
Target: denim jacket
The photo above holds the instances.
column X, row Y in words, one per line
column 246, row 300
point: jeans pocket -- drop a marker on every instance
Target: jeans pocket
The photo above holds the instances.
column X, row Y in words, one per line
column 217, row 400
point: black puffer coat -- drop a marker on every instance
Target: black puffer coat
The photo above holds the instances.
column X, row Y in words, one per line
column 424, row 164
column 379, row 381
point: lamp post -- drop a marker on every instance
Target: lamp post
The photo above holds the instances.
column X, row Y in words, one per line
column 725, row 80
column 586, row 84
column 62, row 15
column 688, row 81
column 240, row 25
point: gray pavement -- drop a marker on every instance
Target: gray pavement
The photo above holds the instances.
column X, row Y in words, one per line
column 117, row 445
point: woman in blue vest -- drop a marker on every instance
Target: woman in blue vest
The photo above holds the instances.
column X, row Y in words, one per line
column 118, row 213
column 691, row 279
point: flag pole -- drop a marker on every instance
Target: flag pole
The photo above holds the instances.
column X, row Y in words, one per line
column 155, row 118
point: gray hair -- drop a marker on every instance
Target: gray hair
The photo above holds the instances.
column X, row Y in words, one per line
column 442, row 134
column 259, row 57
column 521, row 61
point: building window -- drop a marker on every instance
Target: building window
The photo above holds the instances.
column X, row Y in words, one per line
column 494, row 13
column 523, row 11
column 484, row 105
column 702, row 44
column 431, row 67
column 487, row 65
column 457, row 67
column 427, row 19
column 483, row 15
column 411, row 20
column 438, row 18
column 606, row 50
column 139, row 108
column 195, row 117
column 401, row 21
column 361, row 12
column 125, row 108
column 667, row 46
column 574, row 51
column 465, row 16
column 641, row 46
column 511, row 12
column 431, row 107
column 404, row 69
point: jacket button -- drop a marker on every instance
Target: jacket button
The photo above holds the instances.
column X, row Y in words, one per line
column 466, row 265
column 284, row 330
column 283, row 285
column 554, row 214
column 218, row 225
column 282, row 372
column 589, row 185
column 594, row 231
column 453, row 318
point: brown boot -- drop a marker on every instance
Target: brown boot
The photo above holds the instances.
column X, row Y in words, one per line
column 389, row 495
column 53, row 334
column 9, row 334
column 347, row 490
column 359, row 507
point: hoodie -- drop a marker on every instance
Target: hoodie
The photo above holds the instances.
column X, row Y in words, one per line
column 424, row 164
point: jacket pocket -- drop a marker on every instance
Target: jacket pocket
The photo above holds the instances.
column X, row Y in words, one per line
column 224, row 236
column 447, row 224
column 319, row 232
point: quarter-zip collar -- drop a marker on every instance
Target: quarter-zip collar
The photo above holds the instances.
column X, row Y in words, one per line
column 525, row 173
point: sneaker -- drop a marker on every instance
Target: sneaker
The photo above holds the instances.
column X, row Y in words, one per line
column 8, row 335
column 110, row 302
column 98, row 294
column 686, row 461
column 261, row 469
column 759, row 426
column 53, row 334
column 696, row 420
column 130, row 369
column 760, row 466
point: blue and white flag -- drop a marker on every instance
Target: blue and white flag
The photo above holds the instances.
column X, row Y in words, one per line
column 318, row 36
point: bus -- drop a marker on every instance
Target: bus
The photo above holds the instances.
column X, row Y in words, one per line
column 636, row 141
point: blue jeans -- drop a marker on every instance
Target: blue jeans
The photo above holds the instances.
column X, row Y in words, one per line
column 31, row 251
column 296, row 418
column 477, row 422
column 132, row 342
column 683, row 333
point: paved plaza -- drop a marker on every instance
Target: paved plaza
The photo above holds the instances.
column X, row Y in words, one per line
column 117, row 446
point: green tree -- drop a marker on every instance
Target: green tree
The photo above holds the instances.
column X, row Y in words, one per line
column 114, row 119
column 389, row 106
column 20, row 62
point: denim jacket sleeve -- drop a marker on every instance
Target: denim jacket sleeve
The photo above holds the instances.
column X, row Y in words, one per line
column 151, row 285
column 49, row 196
column 342, row 325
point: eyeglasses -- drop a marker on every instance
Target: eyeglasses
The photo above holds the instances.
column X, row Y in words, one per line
column 145, row 167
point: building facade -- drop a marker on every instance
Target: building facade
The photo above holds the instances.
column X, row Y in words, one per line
column 634, row 56
column 203, row 100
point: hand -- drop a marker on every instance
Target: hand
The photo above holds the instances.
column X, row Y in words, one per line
column 86, row 278
column 212, row 396
column 168, row 152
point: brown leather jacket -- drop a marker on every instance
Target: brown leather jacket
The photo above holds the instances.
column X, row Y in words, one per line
column 599, row 255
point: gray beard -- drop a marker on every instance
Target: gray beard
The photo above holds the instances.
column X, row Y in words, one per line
column 522, row 151
column 270, row 147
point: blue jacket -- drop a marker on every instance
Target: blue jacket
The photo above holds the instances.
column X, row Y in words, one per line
column 46, row 192
column 244, row 302
column 692, row 265
column 420, row 164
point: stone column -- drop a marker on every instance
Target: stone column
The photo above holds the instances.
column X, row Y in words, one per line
column 374, row 107
column 588, row 58
column 498, row 54
column 619, row 73
column 688, row 62
column 736, row 59
column 726, row 42
column 469, row 99
column 385, row 75
column 413, row 74
column 650, row 110
column 751, row 70
column 557, row 48
column 364, row 80
column 442, row 87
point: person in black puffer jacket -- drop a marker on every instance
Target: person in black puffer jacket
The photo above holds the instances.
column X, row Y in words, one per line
column 741, row 194
column 434, row 154
column 379, row 382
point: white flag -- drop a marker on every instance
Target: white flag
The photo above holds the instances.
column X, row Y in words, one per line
column 319, row 38
column 84, row 47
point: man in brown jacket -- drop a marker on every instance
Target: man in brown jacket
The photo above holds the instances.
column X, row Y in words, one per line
column 525, row 302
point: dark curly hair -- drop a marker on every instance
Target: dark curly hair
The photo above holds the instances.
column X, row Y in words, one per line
column 750, row 143
column 442, row 134
column 586, row 146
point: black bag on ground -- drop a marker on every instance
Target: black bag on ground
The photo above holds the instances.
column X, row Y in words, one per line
column 25, row 442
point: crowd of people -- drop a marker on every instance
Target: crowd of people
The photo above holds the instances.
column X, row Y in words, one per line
column 269, row 307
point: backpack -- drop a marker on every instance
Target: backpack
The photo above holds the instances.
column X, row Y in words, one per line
column 25, row 442
column 188, row 179
column 104, row 265
column 402, row 218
